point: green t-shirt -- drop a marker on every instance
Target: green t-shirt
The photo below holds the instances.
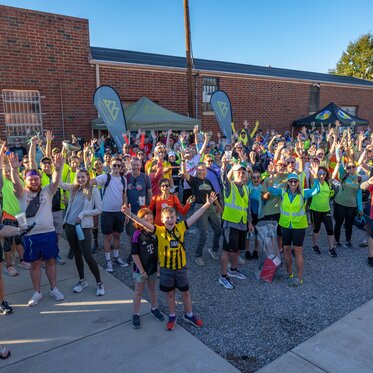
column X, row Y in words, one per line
column 272, row 205
column 320, row 202
column 10, row 201
column 346, row 195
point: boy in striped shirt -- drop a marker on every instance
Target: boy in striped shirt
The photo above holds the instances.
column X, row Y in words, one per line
column 172, row 258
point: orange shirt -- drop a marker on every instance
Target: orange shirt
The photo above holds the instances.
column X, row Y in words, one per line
column 157, row 204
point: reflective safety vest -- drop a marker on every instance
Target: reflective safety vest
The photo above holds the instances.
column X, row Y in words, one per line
column 293, row 213
column 235, row 205
column 46, row 181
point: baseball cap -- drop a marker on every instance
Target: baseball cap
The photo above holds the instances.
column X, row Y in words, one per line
column 171, row 154
column 293, row 176
column 45, row 159
column 237, row 167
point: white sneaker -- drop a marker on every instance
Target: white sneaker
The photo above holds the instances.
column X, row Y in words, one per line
column 225, row 281
column 11, row 271
column 214, row 254
column 82, row 284
column 236, row 274
column 34, row 300
column 24, row 265
column 109, row 266
column 56, row 294
column 100, row 289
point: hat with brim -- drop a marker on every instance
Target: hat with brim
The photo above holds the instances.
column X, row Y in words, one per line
column 293, row 177
column 45, row 159
column 238, row 167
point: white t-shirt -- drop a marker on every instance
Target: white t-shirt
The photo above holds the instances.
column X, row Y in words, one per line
column 191, row 168
column 112, row 200
column 44, row 215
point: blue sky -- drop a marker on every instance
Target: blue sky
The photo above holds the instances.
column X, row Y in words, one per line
column 302, row 35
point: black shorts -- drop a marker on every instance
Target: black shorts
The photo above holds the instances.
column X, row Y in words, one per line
column 293, row 236
column 112, row 222
column 234, row 240
column 130, row 228
column 8, row 241
column 273, row 217
column 173, row 278
column 318, row 217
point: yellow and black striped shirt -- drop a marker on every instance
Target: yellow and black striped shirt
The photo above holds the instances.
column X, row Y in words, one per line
column 171, row 252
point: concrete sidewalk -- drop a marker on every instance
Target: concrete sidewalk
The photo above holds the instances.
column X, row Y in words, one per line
column 86, row 333
column 345, row 346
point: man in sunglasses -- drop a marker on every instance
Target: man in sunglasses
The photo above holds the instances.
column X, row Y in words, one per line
column 41, row 243
column 112, row 220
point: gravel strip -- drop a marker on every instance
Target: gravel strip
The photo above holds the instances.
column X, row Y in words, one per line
column 258, row 322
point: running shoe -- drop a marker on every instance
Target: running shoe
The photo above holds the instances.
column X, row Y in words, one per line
column 214, row 254
column 237, row 274
column 157, row 314
column 348, row 245
column 171, row 323
column 120, row 262
column 364, row 244
column 316, row 249
column 11, row 271
column 241, row 261
column 70, row 255
column 338, row 244
column 24, row 265
column 82, row 284
column 109, row 266
column 255, row 255
column 34, row 300
column 225, row 281
column 248, row 255
column 136, row 322
column 5, row 308
column 370, row 261
column 295, row 281
column 56, row 294
column 193, row 320
column 59, row 260
column 332, row 252
column 100, row 291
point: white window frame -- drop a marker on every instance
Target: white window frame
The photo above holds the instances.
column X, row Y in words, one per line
column 23, row 114
column 207, row 91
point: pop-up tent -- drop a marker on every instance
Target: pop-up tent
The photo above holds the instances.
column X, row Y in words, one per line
column 330, row 114
column 147, row 115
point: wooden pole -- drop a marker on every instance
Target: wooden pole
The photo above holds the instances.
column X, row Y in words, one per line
column 188, row 59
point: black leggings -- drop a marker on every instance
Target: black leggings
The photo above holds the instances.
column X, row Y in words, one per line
column 343, row 214
column 82, row 249
column 318, row 217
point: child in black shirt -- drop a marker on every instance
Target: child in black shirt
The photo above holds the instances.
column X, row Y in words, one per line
column 145, row 262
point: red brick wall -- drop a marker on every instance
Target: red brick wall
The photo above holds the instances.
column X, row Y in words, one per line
column 40, row 51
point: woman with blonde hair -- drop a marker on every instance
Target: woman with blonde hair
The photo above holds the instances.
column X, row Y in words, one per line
column 84, row 203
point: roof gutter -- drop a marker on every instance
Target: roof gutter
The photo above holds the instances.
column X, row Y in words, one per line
column 180, row 70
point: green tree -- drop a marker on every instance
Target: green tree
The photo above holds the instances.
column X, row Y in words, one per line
column 357, row 60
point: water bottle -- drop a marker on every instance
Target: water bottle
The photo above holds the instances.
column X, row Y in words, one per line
column 79, row 232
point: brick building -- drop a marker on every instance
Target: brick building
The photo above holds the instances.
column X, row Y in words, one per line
column 48, row 73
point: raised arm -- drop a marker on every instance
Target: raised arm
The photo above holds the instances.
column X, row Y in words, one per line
column 2, row 150
column 126, row 209
column 56, row 177
column 48, row 147
column 210, row 199
column 32, row 153
column 17, row 183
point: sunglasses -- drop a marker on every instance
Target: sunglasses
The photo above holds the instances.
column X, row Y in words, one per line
column 256, row 177
column 321, row 173
column 209, row 160
column 165, row 186
column 116, row 165
column 349, row 167
column 293, row 181
column 290, row 162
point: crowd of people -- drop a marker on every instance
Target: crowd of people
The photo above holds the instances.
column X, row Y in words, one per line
column 158, row 185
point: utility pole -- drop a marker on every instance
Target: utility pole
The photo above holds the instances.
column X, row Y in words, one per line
column 188, row 59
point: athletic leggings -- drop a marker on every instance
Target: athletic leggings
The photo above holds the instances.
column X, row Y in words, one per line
column 343, row 214
column 82, row 249
column 319, row 217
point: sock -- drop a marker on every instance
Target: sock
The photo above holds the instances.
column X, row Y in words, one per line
column 233, row 269
column 224, row 275
column 189, row 314
column 107, row 256
column 172, row 315
column 154, row 308
column 136, row 314
column 116, row 253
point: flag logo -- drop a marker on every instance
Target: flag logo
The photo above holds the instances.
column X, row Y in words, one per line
column 325, row 114
column 223, row 108
column 112, row 108
column 343, row 115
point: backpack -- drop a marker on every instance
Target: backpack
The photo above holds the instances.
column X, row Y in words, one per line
column 108, row 181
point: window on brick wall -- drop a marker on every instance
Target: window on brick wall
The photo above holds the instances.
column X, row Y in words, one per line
column 350, row 110
column 23, row 115
column 209, row 86
column 314, row 103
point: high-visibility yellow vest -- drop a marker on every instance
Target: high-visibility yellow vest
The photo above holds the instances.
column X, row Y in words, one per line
column 46, row 181
column 293, row 213
column 235, row 205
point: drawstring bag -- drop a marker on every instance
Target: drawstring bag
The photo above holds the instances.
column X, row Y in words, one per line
column 33, row 206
